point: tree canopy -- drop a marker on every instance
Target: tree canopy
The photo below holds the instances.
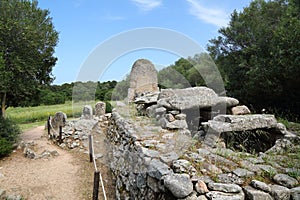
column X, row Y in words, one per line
column 259, row 53
column 27, row 42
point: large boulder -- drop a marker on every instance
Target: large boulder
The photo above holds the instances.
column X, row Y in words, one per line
column 190, row 98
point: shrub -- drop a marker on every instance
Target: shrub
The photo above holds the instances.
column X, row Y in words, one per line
column 9, row 135
column 109, row 107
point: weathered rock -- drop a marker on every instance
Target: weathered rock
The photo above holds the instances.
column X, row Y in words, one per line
column 230, row 178
column 281, row 145
column 188, row 92
column 230, row 123
column 151, row 110
column 215, row 195
column 14, row 197
column 253, row 194
column 180, row 116
column 240, row 172
column 201, row 187
column 210, row 168
column 29, row 153
column 183, row 166
column 189, row 98
column 100, row 108
column 227, row 188
column 149, row 152
column 176, row 124
column 201, row 197
column 157, row 169
column 179, row 185
column 87, row 112
column 280, row 193
column 240, row 110
column 295, row 193
column 168, row 158
column 170, row 117
column 143, row 79
column 285, row 180
column 148, row 98
column 260, row 185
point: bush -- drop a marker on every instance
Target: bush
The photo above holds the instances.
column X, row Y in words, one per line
column 109, row 107
column 9, row 135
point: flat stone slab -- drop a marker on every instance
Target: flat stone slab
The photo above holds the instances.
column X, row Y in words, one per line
column 285, row 180
column 230, row 123
column 253, row 194
column 194, row 97
column 240, row 172
column 280, row 193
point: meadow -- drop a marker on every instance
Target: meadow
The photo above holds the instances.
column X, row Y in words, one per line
column 39, row 114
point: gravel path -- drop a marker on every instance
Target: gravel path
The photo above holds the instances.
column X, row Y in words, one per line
column 58, row 177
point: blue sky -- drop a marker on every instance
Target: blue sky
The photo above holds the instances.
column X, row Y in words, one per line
column 85, row 25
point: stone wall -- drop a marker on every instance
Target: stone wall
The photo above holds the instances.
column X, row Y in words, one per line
column 144, row 170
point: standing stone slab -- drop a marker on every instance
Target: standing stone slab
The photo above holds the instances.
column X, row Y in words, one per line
column 59, row 119
column 87, row 112
column 143, row 79
column 100, row 108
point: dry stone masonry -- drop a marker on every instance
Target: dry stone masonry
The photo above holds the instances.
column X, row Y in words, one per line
column 150, row 162
column 191, row 144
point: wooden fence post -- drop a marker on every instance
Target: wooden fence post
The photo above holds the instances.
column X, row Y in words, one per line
column 48, row 126
column 91, row 148
column 96, row 185
column 60, row 134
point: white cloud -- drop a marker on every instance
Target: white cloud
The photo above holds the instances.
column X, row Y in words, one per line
column 147, row 5
column 216, row 17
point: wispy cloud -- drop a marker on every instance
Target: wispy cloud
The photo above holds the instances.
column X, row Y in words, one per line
column 216, row 17
column 147, row 5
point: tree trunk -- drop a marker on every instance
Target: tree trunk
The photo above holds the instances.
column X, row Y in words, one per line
column 3, row 106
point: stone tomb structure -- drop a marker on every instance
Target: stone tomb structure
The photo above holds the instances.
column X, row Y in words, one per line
column 143, row 79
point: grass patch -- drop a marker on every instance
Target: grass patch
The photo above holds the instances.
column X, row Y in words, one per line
column 28, row 126
column 25, row 115
column 291, row 126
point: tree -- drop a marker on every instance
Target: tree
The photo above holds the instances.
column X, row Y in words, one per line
column 259, row 53
column 27, row 42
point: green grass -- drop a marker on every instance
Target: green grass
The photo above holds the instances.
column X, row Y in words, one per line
column 25, row 115
column 28, row 126
column 291, row 126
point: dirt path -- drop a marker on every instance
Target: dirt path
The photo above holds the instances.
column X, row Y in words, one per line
column 61, row 177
